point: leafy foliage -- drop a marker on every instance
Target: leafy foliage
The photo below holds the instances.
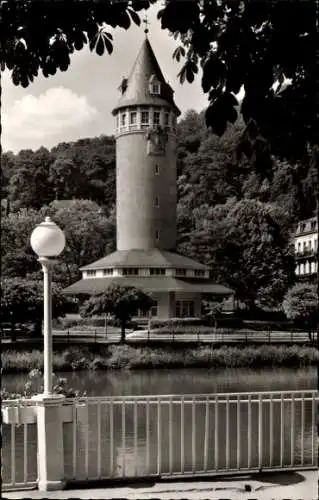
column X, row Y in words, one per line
column 84, row 169
column 42, row 35
column 248, row 247
column 89, row 235
column 22, row 302
column 301, row 305
column 120, row 302
column 256, row 45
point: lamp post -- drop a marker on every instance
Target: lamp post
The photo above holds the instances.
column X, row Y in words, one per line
column 47, row 241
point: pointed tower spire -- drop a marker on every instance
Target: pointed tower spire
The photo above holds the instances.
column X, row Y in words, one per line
column 145, row 69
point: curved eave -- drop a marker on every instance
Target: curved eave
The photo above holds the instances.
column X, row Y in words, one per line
column 145, row 259
column 91, row 286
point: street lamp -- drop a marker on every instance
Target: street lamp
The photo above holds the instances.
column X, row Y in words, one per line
column 47, row 240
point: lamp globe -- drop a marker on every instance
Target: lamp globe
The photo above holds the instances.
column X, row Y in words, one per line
column 47, row 239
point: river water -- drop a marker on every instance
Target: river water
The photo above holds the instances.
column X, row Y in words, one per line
column 177, row 382
column 180, row 381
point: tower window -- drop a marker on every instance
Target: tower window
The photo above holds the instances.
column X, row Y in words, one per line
column 156, row 169
column 133, row 117
column 145, row 118
column 123, row 119
column 156, row 201
column 157, row 234
column 156, row 118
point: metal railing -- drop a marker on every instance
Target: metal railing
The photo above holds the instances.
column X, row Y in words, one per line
column 172, row 436
column 142, row 436
column 19, row 450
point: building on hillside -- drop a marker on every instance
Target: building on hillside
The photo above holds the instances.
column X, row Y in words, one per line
column 306, row 249
column 146, row 116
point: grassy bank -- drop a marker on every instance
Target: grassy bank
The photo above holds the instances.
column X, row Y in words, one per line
column 128, row 357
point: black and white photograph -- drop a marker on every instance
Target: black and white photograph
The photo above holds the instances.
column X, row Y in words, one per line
column 159, row 249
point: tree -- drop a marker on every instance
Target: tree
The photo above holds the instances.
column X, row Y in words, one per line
column 254, row 44
column 89, row 233
column 301, row 305
column 213, row 308
column 29, row 185
column 43, row 35
column 17, row 256
column 22, row 302
column 120, row 302
column 64, row 179
column 247, row 245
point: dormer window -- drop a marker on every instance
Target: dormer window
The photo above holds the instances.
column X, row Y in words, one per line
column 154, row 86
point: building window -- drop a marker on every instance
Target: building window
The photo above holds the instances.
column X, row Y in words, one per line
column 154, row 309
column 156, row 202
column 157, row 271
column 157, row 234
column 302, row 227
column 180, row 272
column 107, row 272
column 117, row 121
column 130, row 271
column 155, row 88
column 156, row 169
column 185, row 309
column 315, row 243
column 144, row 118
column 166, row 119
column 199, row 273
column 156, row 118
column 133, row 118
column 299, row 246
column 91, row 273
column 123, row 120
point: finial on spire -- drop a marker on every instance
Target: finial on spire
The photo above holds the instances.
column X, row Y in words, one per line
column 147, row 23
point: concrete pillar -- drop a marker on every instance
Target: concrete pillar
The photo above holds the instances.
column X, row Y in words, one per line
column 50, row 441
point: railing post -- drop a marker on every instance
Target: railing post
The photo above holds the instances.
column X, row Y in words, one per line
column 50, row 442
column 260, row 432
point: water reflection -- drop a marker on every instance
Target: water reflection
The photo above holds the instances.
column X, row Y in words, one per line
column 180, row 381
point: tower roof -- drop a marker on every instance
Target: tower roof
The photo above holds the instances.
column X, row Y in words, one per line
column 135, row 90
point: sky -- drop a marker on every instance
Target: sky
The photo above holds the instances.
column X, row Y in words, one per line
column 77, row 103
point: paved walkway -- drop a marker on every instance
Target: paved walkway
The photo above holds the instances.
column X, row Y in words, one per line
column 276, row 486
